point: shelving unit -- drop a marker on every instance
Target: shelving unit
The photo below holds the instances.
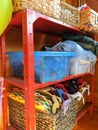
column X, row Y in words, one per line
column 32, row 21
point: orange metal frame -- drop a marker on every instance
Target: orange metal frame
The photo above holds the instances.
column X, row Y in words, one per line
column 33, row 21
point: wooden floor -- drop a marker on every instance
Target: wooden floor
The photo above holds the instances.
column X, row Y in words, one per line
column 86, row 123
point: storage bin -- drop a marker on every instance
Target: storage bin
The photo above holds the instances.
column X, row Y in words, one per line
column 49, row 66
column 44, row 121
column 79, row 66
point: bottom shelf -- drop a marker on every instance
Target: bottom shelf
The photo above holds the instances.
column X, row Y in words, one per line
column 86, row 108
column 79, row 115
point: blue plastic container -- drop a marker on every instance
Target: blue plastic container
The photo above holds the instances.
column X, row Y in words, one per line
column 48, row 65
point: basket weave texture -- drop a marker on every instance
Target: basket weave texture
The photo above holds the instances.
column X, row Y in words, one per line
column 70, row 14
column 44, row 121
column 49, row 7
column 89, row 20
column 85, row 91
column 58, row 9
column 80, row 104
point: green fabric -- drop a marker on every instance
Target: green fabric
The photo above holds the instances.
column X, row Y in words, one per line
column 84, row 41
column 87, row 47
column 96, row 52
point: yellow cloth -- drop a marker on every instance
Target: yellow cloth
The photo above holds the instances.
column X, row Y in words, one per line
column 21, row 100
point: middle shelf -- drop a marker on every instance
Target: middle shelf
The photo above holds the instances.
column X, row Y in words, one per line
column 18, row 82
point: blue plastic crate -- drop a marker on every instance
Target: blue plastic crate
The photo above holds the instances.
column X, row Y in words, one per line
column 48, row 66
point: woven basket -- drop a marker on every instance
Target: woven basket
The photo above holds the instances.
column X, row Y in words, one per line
column 49, row 7
column 44, row 121
column 89, row 20
column 70, row 14
column 19, row 5
column 80, row 104
column 58, row 9
column 86, row 93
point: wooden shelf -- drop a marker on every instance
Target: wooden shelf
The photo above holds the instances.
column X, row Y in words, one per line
column 42, row 85
column 18, row 82
column 31, row 21
column 86, row 108
column 45, row 24
column 10, row 128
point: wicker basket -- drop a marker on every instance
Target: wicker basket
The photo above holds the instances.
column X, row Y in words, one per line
column 89, row 20
column 49, row 7
column 58, row 9
column 80, row 104
column 70, row 14
column 44, row 121
column 19, row 5
column 86, row 93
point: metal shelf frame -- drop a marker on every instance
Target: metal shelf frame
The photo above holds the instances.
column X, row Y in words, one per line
column 31, row 21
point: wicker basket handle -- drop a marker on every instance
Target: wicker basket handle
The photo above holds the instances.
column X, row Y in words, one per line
column 85, row 87
column 78, row 95
column 81, row 2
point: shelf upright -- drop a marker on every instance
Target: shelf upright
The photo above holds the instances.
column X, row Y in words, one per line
column 3, row 71
column 92, row 94
column 28, row 49
column 27, row 20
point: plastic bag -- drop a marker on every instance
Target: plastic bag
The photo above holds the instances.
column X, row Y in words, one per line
column 62, row 46
column 79, row 38
column 5, row 14
column 81, row 53
column 72, row 46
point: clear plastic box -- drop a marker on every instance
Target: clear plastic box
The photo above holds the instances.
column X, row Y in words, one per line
column 79, row 66
column 48, row 65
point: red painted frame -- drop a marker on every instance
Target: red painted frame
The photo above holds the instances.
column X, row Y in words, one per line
column 33, row 21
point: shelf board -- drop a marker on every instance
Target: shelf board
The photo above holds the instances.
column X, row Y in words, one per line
column 42, row 85
column 17, row 19
column 10, row 128
column 18, row 82
column 52, row 26
column 84, row 110
column 45, row 23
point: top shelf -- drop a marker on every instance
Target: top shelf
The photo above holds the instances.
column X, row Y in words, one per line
column 43, row 23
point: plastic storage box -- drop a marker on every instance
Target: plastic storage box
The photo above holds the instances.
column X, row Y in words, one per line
column 79, row 66
column 49, row 66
